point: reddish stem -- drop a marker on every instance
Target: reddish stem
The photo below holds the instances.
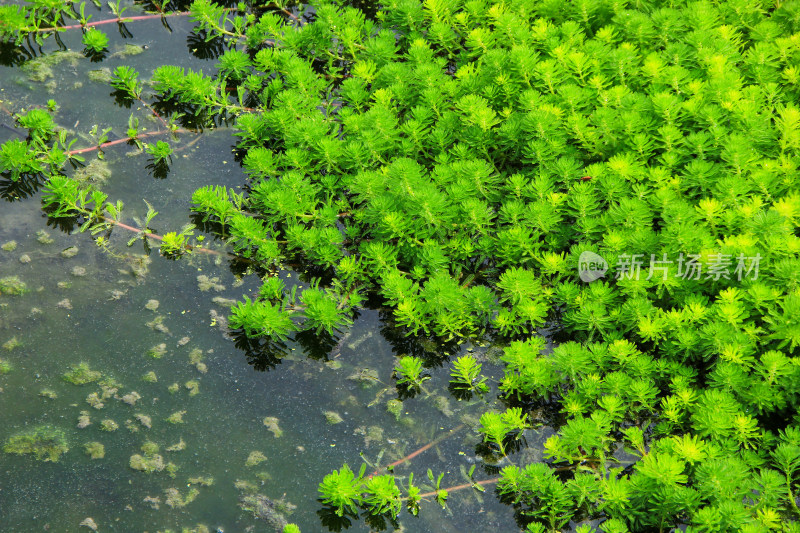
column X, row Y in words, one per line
column 125, row 140
column 461, row 487
column 410, row 456
column 118, row 20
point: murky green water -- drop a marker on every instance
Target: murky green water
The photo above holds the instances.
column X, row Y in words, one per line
column 90, row 306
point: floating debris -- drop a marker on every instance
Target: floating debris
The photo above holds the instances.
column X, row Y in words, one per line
column 82, row 374
column 131, row 398
column 72, row 251
column 158, row 351
column 24, row 259
column 109, row 425
column 95, row 450
column 151, row 305
column 10, row 246
column 88, row 522
column 272, row 424
column 333, row 417
column 150, row 377
column 183, row 341
column 144, row 420
column 12, row 343
column 193, row 386
column 83, row 420
column 46, row 393
column 255, row 458
column 12, row 285
column 176, row 417
column 45, row 443
column 204, row 283
column 78, row 271
column 43, row 237
column 175, row 499
column 64, row 304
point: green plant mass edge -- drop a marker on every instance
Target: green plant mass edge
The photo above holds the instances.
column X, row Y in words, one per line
column 462, row 163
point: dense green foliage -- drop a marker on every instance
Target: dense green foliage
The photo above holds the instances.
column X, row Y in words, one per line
column 456, row 159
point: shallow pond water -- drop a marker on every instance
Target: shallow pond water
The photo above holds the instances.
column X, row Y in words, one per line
column 170, row 375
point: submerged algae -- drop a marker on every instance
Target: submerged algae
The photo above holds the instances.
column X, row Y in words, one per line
column 95, row 450
column 45, row 443
column 82, row 375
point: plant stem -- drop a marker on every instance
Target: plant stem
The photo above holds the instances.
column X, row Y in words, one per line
column 410, row 456
column 461, row 487
column 118, row 20
column 125, row 140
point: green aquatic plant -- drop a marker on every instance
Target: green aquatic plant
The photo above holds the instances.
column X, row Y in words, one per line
column 44, row 443
column 466, row 375
column 454, row 161
column 408, row 372
column 341, row 489
column 95, row 41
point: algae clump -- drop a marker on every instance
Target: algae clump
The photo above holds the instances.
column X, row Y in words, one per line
column 109, row 425
column 5, row 367
column 176, row 417
column 45, row 443
column 255, row 458
column 333, row 417
column 82, row 374
column 10, row 246
column 12, row 285
column 272, row 424
column 175, row 499
column 11, row 344
column 95, row 450
column 154, row 463
column 193, row 387
column 150, row 377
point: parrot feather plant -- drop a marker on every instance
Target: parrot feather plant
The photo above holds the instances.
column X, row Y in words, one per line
column 455, row 159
